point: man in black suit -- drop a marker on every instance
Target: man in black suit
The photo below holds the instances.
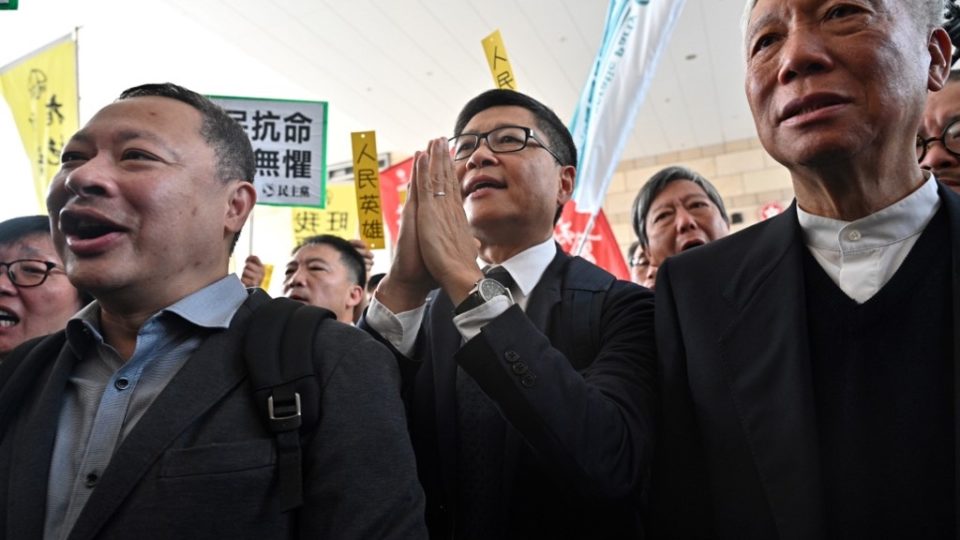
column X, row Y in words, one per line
column 808, row 363
column 530, row 393
column 139, row 420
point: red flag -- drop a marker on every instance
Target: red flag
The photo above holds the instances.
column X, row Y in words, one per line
column 601, row 247
column 393, row 180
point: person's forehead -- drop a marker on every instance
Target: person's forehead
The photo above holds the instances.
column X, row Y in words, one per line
column 150, row 116
column 500, row 115
column 680, row 188
column 36, row 244
column 317, row 252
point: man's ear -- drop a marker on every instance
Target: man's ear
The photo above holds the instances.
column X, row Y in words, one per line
column 940, row 49
column 568, row 173
column 242, row 196
column 355, row 296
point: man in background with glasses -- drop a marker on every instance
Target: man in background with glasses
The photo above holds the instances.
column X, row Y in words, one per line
column 529, row 374
column 938, row 141
column 36, row 298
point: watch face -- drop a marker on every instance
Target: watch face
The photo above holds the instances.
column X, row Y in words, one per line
column 488, row 288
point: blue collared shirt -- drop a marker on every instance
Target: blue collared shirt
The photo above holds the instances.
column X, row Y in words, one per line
column 105, row 397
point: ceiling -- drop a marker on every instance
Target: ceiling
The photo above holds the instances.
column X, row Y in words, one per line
column 401, row 67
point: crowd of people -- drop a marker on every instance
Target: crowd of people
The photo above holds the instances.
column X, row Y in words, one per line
column 796, row 379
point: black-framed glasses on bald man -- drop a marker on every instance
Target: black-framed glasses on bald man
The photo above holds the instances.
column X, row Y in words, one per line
column 26, row 273
column 501, row 140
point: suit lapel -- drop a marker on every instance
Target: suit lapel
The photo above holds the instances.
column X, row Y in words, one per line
column 211, row 372
column 769, row 374
column 30, row 468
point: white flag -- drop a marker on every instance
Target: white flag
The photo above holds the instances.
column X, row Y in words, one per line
column 635, row 34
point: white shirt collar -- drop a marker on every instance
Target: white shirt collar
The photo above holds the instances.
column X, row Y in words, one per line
column 903, row 219
column 528, row 266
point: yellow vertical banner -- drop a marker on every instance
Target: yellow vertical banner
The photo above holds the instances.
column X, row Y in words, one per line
column 338, row 217
column 41, row 90
column 498, row 61
column 366, row 177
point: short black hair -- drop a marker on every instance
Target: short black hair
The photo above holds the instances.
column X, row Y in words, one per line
column 229, row 141
column 225, row 135
column 656, row 184
column 13, row 229
column 374, row 281
column 558, row 136
column 349, row 255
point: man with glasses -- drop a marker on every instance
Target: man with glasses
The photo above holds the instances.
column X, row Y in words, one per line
column 938, row 140
column 528, row 373
column 36, row 298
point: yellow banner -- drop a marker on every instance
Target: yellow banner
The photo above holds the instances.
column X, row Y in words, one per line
column 498, row 62
column 41, row 90
column 366, row 176
column 338, row 218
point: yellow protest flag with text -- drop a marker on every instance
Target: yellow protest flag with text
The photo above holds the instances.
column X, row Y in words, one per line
column 41, row 90
column 338, row 218
column 366, row 175
column 499, row 63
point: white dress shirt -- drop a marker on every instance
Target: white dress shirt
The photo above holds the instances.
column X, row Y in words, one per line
column 526, row 268
column 861, row 256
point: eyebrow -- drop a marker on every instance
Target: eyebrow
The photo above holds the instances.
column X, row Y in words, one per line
column 127, row 135
column 756, row 26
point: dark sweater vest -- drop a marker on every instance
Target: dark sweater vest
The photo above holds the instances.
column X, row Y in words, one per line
column 882, row 376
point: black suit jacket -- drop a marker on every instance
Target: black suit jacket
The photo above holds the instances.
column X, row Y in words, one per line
column 201, row 464
column 737, row 453
column 580, row 422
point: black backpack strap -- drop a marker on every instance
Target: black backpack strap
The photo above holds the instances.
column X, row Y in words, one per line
column 586, row 288
column 279, row 355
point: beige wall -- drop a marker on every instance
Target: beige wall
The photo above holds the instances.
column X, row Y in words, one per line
column 746, row 176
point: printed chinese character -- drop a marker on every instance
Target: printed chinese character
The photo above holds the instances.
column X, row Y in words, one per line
column 297, row 128
column 372, row 229
column 306, row 222
column 297, row 163
column 53, row 109
column 367, row 177
column 365, row 154
column 337, row 221
column 53, row 151
column 265, row 126
column 504, row 80
column 267, row 161
column 369, row 204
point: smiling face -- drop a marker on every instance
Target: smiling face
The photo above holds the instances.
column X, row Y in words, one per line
column 681, row 217
column 942, row 110
column 829, row 79
column 512, row 196
column 318, row 276
column 139, row 214
column 29, row 312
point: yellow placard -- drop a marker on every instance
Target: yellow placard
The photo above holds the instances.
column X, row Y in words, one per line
column 338, row 218
column 499, row 62
column 41, row 90
column 267, row 274
column 366, row 177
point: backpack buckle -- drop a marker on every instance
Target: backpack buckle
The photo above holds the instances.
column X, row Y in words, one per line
column 285, row 416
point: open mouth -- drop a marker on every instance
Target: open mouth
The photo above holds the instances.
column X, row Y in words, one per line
column 483, row 183
column 86, row 226
column 8, row 319
column 690, row 244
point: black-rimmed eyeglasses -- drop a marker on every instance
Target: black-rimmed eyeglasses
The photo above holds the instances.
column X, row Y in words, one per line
column 950, row 139
column 28, row 272
column 500, row 141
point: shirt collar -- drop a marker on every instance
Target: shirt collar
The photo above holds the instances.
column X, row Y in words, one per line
column 897, row 222
column 210, row 307
column 528, row 266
